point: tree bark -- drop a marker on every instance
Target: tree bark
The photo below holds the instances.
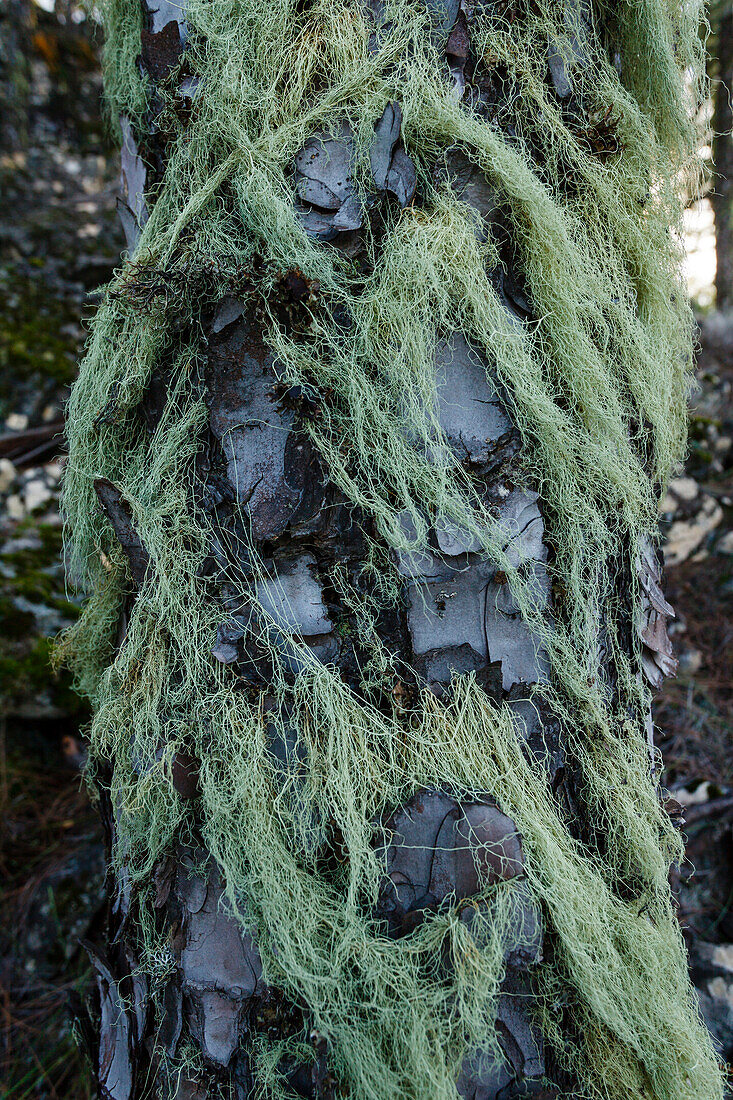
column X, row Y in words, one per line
column 189, row 1023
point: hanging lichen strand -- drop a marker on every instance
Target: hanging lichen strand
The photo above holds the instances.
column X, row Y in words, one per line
column 562, row 278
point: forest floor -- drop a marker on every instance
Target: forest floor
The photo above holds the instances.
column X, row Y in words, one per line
column 59, row 240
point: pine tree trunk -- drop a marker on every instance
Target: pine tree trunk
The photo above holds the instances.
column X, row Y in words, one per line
column 416, row 624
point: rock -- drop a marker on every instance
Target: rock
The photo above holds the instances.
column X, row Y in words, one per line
column 685, row 536
column 679, row 489
column 712, row 972
column 54, row 471
column 29, row 540
column 48, row 620
column 693, row 798
column 690, row 660
column 7, row 475
column 15, row 508
column 725, row 544
column 35, row 494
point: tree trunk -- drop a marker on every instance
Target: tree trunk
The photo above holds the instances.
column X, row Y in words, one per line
column 722, row 195
column 364, row 461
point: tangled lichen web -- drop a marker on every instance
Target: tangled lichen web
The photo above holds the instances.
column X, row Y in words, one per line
column 596, row 386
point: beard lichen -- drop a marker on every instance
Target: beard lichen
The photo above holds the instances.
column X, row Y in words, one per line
column 596, row 385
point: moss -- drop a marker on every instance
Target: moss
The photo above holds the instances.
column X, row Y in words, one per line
column 32, row 342
column 15, row 624
column 27, row 674
column 597, row 389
